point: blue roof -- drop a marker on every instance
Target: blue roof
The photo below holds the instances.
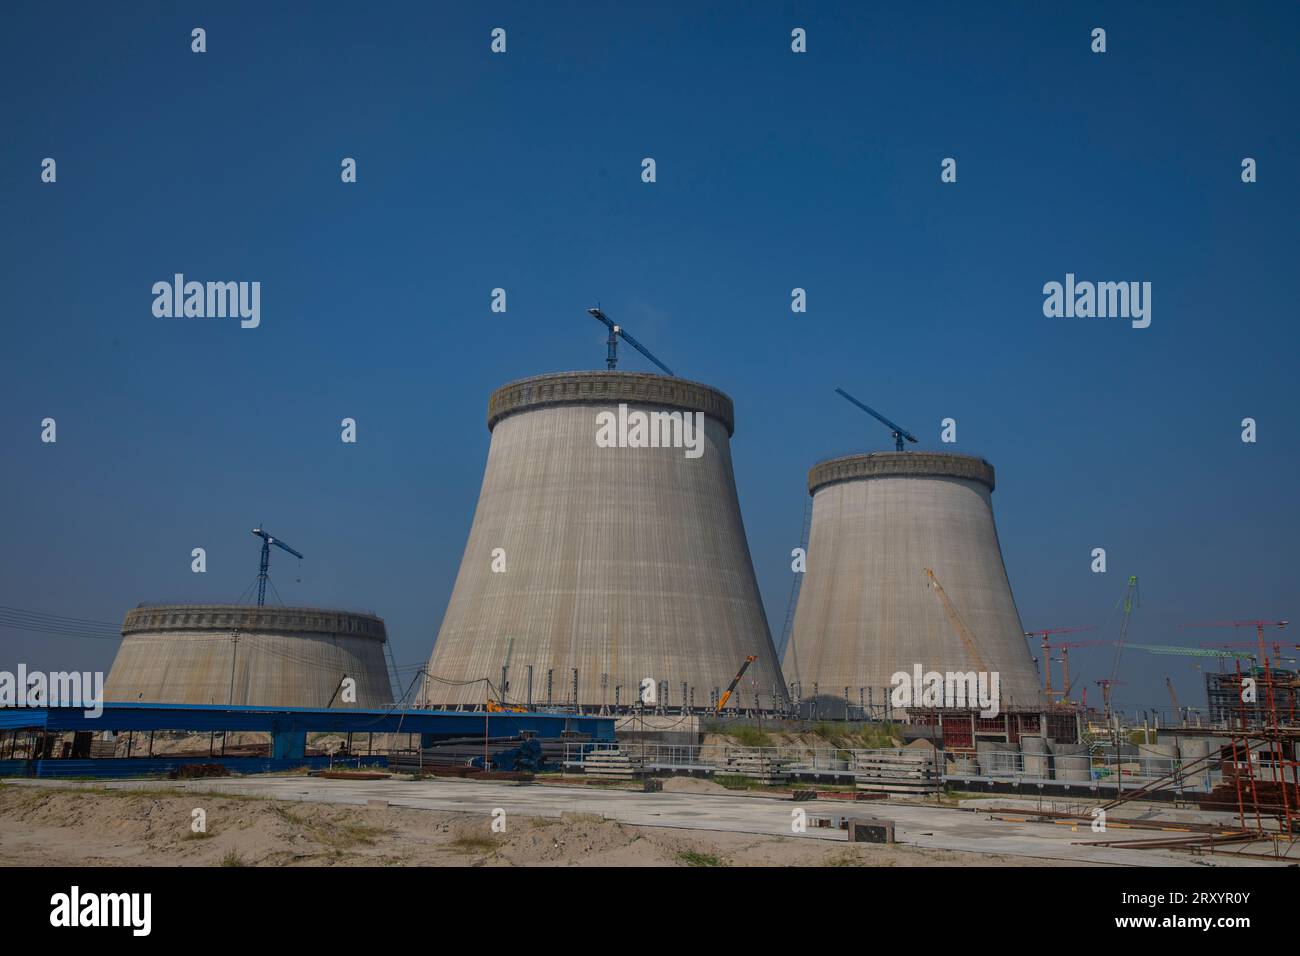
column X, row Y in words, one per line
column 119, row 716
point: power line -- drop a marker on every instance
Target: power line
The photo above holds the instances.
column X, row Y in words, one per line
column 58, row 617
column 58, row 625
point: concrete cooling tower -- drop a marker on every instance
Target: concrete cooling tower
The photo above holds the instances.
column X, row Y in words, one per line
column 607, row 547
column 241, row 654
column 867, row 608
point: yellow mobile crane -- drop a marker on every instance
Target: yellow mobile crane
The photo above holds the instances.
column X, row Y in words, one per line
column 956, row 620
column 734, row 681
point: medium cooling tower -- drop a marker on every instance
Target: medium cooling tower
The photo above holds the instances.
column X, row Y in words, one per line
column 867, row 608
column 598, row 567
column 240, row 654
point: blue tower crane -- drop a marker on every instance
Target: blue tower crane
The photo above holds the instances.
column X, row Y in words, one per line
column 617, row 331
column 267, row 541
column 898, row 431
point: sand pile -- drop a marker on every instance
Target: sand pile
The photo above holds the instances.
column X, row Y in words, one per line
column 105, row 826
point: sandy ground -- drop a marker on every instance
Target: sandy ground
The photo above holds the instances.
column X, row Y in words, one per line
column 98, row 827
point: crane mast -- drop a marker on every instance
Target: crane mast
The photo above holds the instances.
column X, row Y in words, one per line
column 1047, row 656
column 617, row 332
column 1130, row 599
column 267, row 541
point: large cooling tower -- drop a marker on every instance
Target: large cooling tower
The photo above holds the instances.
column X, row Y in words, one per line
column 240, row 654
column 603, row 566
column 866, row 606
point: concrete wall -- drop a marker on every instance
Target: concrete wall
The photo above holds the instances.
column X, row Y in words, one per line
column 866, row 609
column 284, row 657
column 628, row 562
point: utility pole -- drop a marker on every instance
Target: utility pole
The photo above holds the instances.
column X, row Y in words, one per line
column 234, row 650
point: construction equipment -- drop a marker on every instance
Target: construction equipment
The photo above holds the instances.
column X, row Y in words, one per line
column 1047, row 652
column 267, row 541
column 956, row 621
column 1186, row 651
column 1276, row 645
column 615, row 333
column 528, row 757
column 722, row 701
column 898, row 431
column 1130, row 599
column 1065, row 667
column 1106, row 683
column 1259, row 631
column 496, row 707
column 1173, row 697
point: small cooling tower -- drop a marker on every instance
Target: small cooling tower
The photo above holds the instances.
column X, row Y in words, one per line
column 590, row 568
column 867, row 608
column 240, row 654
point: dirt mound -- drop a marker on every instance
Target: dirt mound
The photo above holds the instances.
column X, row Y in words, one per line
column 117, row 826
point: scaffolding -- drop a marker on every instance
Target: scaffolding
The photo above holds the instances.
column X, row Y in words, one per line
column 1224, row 703
column 1264, row 773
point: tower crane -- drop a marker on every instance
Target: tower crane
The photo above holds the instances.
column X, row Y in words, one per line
column 1130, row 599
column 1259, row 632
column 956, row 620
column 267, row 541
column 1276, row 645
column 1064, row 648
column 1106, row 683
column 1047, row 652
column 615, row 333
column 898, row 431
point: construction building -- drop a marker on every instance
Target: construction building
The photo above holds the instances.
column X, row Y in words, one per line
column 607, row 567
column 239, row 654
column 905, row 572
column 1225, row 706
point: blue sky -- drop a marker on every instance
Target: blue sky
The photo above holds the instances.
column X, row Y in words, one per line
column 522, row 171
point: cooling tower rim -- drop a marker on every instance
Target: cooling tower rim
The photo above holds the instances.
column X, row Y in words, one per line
column 146, row 618
column 609, row 387
column 900, row 464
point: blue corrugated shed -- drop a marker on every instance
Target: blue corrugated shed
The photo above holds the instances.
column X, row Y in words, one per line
column 14, row 718
column 295, row 720
column 162, row 766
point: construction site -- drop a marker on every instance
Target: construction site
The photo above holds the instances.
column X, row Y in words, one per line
column 605, row 663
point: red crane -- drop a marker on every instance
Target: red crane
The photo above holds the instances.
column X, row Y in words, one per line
column 1106, row 683
column 1047, row 655
column 1065, row 666
column 1259, row 635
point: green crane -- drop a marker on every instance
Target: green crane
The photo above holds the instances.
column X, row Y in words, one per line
column 1187, row 651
